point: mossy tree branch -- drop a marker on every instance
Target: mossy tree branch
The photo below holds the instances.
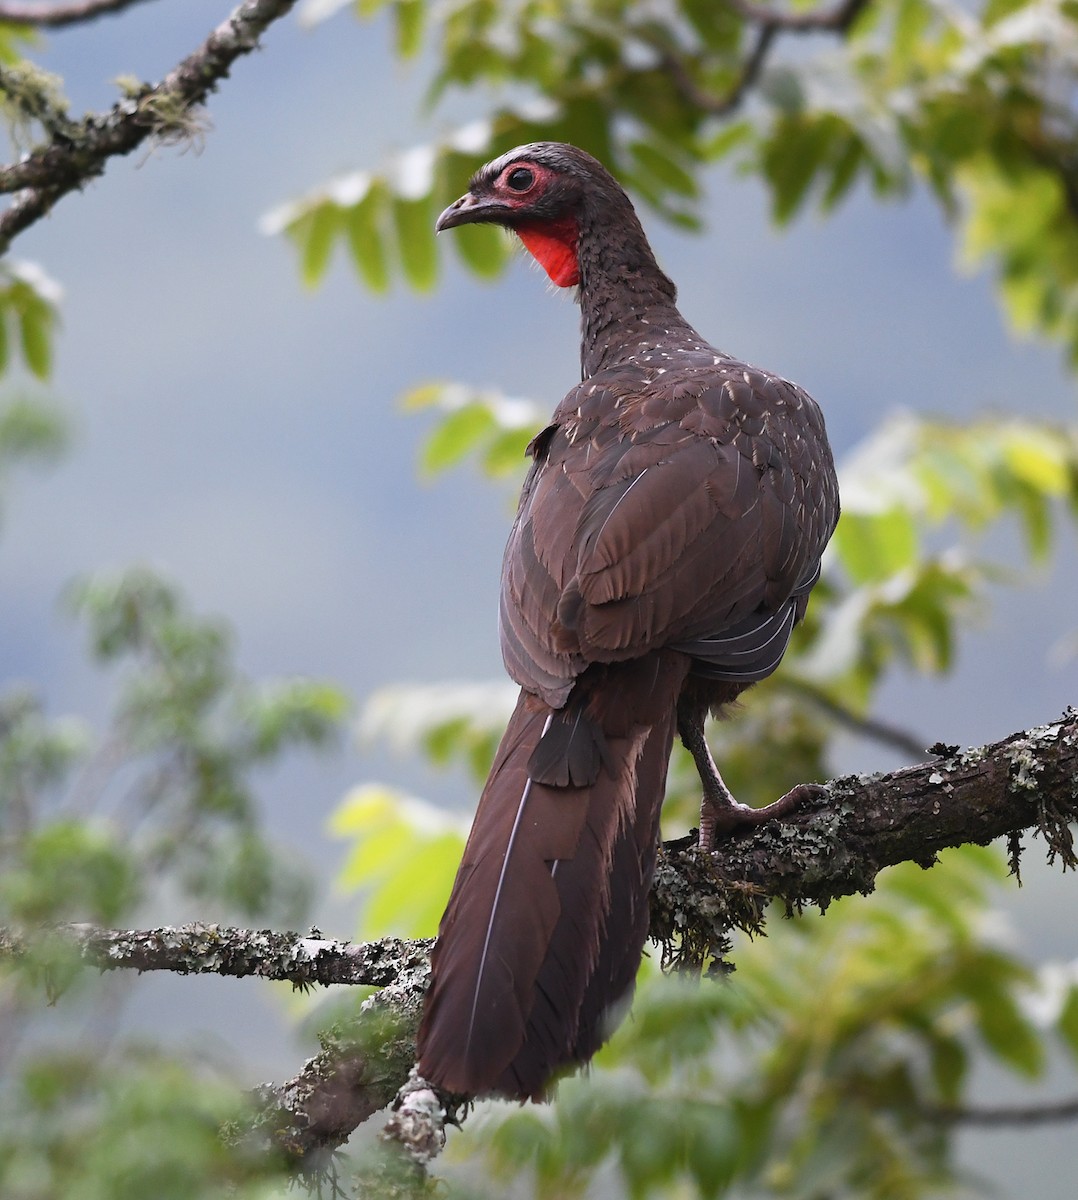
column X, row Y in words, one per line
column 197, row 949
column 78, row 151
column 834, row 847
column 837, row 845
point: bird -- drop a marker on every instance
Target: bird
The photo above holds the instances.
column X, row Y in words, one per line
column 669, row 531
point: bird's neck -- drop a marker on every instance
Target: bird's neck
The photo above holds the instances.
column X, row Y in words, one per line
column 627, row 304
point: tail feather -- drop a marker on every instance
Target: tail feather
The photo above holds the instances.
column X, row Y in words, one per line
column 626, row 930
column 548, row 915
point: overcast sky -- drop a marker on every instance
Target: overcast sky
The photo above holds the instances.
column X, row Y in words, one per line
column 241, row 434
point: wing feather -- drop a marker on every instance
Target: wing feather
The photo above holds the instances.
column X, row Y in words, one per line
column 686, row 516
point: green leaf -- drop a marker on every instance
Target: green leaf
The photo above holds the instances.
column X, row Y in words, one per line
column 1038, row 458
column 726, row 140
column 365, row 228
column 664, row 169
column 455, row 437
column 411, row 901
column 35, row 328
column 1000, row 1021
column 505, row 452
column 792, row 159
column 1068, row 1021
column 30, row 299
column 1036, row 516
column 485, row 249
column 714, row 1140
column 410, row 17
column 874, row 547
column 949, row 1062
column 404, row 857
column 844, row 172
column 414, row 223
column 496, row 428
column 912, row 19
column 316, row 233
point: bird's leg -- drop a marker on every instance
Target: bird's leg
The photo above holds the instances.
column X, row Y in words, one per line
column 720, row 813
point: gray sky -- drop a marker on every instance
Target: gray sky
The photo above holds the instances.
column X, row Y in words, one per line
column 242, row 434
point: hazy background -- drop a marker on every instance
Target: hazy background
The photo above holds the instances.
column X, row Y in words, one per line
column 242, row 435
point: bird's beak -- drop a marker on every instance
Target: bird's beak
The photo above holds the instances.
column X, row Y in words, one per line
column 468, row 210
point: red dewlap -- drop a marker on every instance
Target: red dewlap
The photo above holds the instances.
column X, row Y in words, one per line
column 553, row 246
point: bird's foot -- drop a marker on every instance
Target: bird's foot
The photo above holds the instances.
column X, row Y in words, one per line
column 721, row 814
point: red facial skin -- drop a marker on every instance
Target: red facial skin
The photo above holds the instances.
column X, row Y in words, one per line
column 553, row 244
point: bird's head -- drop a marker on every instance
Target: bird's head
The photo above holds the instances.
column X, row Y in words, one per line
column 541, row 192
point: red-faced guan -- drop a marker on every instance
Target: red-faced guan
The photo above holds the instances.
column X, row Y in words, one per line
column 669, row 533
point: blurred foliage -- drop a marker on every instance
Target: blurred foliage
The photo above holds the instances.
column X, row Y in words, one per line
column 167, row 787
column 404, row 855
column 150, row 803
column 29, row 303
column 158, row 806
column 970, row 99
column 140, row 1125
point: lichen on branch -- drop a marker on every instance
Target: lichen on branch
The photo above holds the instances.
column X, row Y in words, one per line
column 77, row 151
column 834, row 846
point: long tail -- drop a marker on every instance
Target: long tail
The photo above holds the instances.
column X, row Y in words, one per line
column 549, row 912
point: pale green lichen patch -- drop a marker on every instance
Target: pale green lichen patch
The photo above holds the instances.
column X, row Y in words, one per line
column 1025, row 766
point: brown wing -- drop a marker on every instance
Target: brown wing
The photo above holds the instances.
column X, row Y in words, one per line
column 686, row 508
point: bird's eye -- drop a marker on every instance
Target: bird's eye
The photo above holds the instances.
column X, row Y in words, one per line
column 520, row 179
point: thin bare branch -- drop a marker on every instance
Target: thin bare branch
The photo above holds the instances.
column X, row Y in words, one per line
column 677, row 68
column 768, row 25
column 164, row 111
column 871, row 728
column 1007, row 1115
column 58, row 15
column 837, row 19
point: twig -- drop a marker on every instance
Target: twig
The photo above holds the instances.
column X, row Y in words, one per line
column 70, row 161
column 768, row 25
column 869, row 727
column 61, row 14
column 1033, row 1114
column 699, row 98
column 838, row 19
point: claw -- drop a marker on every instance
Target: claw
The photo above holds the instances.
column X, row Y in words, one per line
column 721, row 814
